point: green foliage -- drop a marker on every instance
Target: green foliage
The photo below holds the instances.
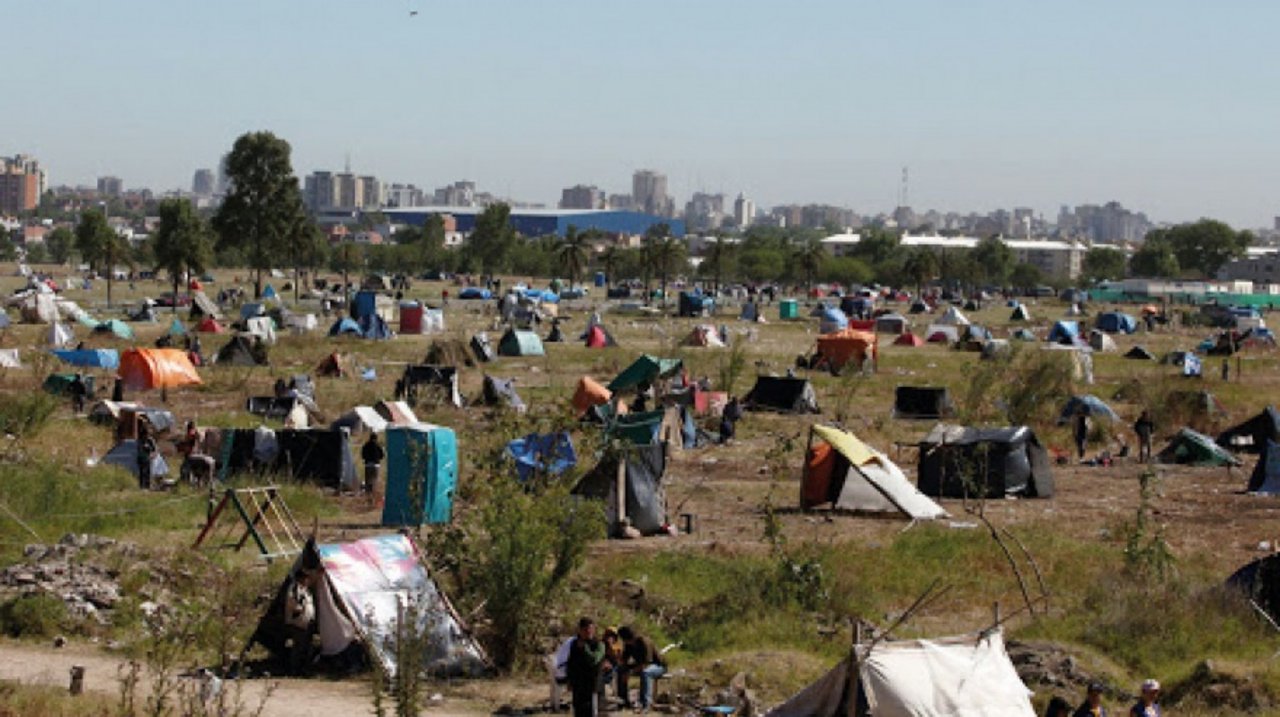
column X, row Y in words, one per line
column 1201, row 247
column 1026, row 276
column 920, row 267
column 847, row 270
column 877, row 246
column 993, row 260
column 24, row 415
column 573, row 254
column 37, row 254
column 809, row 256
column 1021, row 386
column 1155, row 259
column 60, row 242
column 34, row 615
column 490, row 245
column 1102, row 263
column 93, row 236
column 719, row 258
column 732, row 364
column 1147, row 556
column 183, row 243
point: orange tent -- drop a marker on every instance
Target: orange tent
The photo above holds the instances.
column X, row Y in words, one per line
column 839, row 348
column 143, row 369
column 589, row 393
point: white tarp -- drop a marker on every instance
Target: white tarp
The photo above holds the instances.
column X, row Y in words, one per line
column 262, row 327
column 9, row 358
column 874, row 483
column 301, row 323
column 361, row 419
column 953, row 317
column 432, row 321
column 60, row 336
column 965, row 676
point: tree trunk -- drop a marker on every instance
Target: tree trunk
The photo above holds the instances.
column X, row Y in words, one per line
column 175, row 294
column 257, row 284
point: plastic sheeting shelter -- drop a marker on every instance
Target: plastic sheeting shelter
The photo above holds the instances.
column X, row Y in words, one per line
column 125, row 455
column 317, row 455
column 59, row 384
column 783, row 394
column 1265, row 479
column 146, row 369
column 957, row 461
column 362, row 592
column 1020, row 313
column 501, row 392
column 841, row 347
column 598, row 337
column 537, row 454
column 1092, row 406
column 361, row 419
column 629, row 481
column 115, row 327
column 953, row 317
column 422, row 462
column 1252, row 435
column 89, row 358
column 60, row 335
column 520, row 343
column 1141, row 353
column 441, row 382
column 967, row 675
column 845, row 473
column 1190, row 447
column 832, row 320
column 891, row 324
column 922, row 402
column 1115, row 322
column 1064, row 332
column 589, row 393
column 645, row 369
column 481, row 348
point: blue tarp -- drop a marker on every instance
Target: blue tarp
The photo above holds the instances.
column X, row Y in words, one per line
column 546, row 296
column 90, row 358
column 364, row 304
column 1092, row 405
column 250, row 310
column 1065, row 332
column 269, row 292
column 548, row 454
column 475, row 292
column 833, row 320
column 1116, row 322
column 345, row 326
column 373, row 327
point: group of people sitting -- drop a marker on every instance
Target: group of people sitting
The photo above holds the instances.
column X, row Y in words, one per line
column 589, row 661
column 1148, row 704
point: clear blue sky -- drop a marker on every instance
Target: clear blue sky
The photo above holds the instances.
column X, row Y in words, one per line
column 1169, row 106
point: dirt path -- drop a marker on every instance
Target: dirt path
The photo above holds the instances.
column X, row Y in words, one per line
column 38, row 665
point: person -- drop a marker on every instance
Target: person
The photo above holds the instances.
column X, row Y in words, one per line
column 1226, row 370
column 640, row 657
column 78, row 391
column 1148, row 704
column 1058, row 707
column 1080, row 430
column 613, row 669
column 1144, row 427
column 117, row 391
column 372, row 454
column 300, row 616
column 1092, row 706
column 583, row 668
column 728, row 418
column 146, row 450
column 444, row 297
column 280, row 389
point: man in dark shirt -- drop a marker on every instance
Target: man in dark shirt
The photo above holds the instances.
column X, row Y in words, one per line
column 583, row 668
column 372, row 454
column 640, row 657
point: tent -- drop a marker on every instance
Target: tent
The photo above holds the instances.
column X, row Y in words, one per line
column 145, row 369
column 241, row 351
column 520, row 343
column 1023, row 335
column 703, row 335
column 918, row 307
column 316, row 455
column 782, row 393
column 262, row 327
column 1252, row 435
column 555, row 335
column 991, row 348
column 475, row 292
column 645, row 369
column 176, row 328
column 1064, row 332
column 360, row 419
column 945, row 677
column 360, row 598
column 942, row 334
column 922, row 402
column 1092, row 406
column 908, row 339
column 210, row 325
column 1100, row 341
column 696, row 303
column 597, row 337
column 449, row 352
column 953, row 317
column 638, row 471
column 750, row 312
column 269, row 293
column 1265, row 479
column 202, row 305
column 845, row 473
column 589, row 393
column 59, row 384
column 891, row 324
column 1020, row 313
column 374, row 327
column 1140, row 352
column 111, row 412
column 345, row 327
column 501, row 392
column 1189, row 447
column 832, row 320
column 958, row 462
column 1259, row 581
column 1115, row 322
column 116, row 327
column 125, row 455
column 422, row 475
column 300, row 323
column 89, row 358
column 396, row 413
column 60, row 335
column 481, row 348
column 536, row 454
column 841, row 347
column 440, row 381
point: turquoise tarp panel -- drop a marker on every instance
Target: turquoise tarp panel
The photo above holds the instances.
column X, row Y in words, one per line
column 644, row 370
column 520, row 343
column 426, row 458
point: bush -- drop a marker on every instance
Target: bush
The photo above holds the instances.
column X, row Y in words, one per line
column 24, row 415
column 37, row 615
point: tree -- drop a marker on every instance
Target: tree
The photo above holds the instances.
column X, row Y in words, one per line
column 1026, row 276
column 877, row 246
column 920, row 267
column 994, row 260
column 262, row 209
column 650, row 245
column 493, row 238
column 573, row 252
column 431, row 240
column 101, row 246
column 809, row 256
column 60, row 243
column 1202, row 247
column 37, row 253
column 183, row 245
column 717, row 258
column 304, row 246
column 1103, row 263
column 346, row 258
column 1155, row 259
column 664, row 255
column 610, row 259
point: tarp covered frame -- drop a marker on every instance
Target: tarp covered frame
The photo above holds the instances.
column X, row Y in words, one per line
column 845, row 473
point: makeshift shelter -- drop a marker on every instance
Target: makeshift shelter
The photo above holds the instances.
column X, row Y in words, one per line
column 360, row 599
column 89, row 358
column 1252, row 435
column 345, row 327
column 501, row 392
column 1140, row 352
column 891, row 324
column 537, row 454
column 629, row 481
column 210, row 325
column 333, row 366
column 125, row 455
column 845, row 473
column 1092, row 406
column 1190, row 447
column 918, row 307
column 908, row 339
column 783, row 394
column 1265, row 479
column 317, row 455
column 520, row 343
column 1259, row 581
column 396, row 413
column 589, row 393
column 704, row 335
column 750, row 312
column 1115, row 322
column 958, row 461
column 449, row 352
column 696, row 303
column 60, row 335
column 660, row 426
column 202, row 305
column 441, row 382
column 555, row 335
column 942, row 334
column 112, row 412
column 116, row 328
column 360, row 419
column 953, row 317
column 645, row 370
column 597, row 337
column 832, row 320
column 1023, row 335
column 422, row 474
column 991, row 348
column 145, row 369
column 241, row 351
column 59, row 384
column 474, row 292
column 374, row 327
column 1020, row 313
column 1064, row 332
column 922, row 402
column 261, row 327
column 837, row 349
column 481, row 348
column 1100, row 341
column 289, row 409
column 946, row 677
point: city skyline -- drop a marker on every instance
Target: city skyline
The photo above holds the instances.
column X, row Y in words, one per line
column 993, row 105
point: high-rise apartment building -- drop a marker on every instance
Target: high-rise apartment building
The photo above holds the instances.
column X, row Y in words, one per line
column 110, row 186
column 22, row 182
column 582, row 196
column 458, row 194
column 744, row 211
column 704, row 212
column 202, row 184
column 403, row 195
column 649, row 193
column 342, row 191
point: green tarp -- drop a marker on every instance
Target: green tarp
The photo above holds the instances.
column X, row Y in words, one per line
column 520, row 343
column 1196, row 449
column 639, row 429
column 644, row 370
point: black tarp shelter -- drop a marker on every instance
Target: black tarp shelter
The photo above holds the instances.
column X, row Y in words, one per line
column 958, row 461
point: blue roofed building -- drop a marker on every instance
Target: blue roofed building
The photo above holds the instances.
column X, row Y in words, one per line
column 543, row 222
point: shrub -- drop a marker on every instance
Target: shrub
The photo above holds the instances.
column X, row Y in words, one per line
column 36, row 615
column 24, row 415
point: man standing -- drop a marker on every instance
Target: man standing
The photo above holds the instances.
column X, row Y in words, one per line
column 1092, row 706
column 1148, row 704
column 1144, row 427
column 639, row 656
column 586, row 655
column 372, row 454
column 146, row 451
column 1080, row 430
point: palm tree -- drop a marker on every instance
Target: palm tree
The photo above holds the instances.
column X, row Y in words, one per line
column 574, row 252
column 810, row 255
column 665, row 254
column 610, row 258
column 717, row 254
